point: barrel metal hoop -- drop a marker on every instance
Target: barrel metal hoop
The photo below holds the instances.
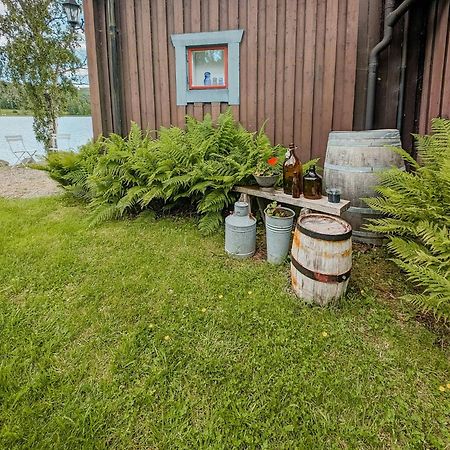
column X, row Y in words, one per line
column 324, row 237
column 364, row 169
column 359, row 210
column 321, row 277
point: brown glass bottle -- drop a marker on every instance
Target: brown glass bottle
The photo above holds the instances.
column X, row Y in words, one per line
column 296, row 186
column 312, row 184
column 292, row 167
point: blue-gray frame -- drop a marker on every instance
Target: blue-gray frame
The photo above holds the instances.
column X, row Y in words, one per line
column 232, row 39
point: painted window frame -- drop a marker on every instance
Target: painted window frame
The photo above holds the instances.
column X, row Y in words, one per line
column 230, row 39
column 199, row 48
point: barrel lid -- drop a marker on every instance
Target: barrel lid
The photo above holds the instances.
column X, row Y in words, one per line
column 322, row 226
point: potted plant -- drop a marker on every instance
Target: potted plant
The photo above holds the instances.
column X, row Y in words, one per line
column 279, row 220
column 269, row 166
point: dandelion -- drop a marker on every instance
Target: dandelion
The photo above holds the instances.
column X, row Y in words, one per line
column 203, row 309
column 442, row 388
column 250, row 292
column 220, row 296
column 324, row 334
column 167, row 338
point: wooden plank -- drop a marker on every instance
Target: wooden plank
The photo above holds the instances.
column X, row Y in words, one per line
column 340, row 66
column 278, row 195
column 171, row 61
column 280, row 61
column 445, row 108
column 223, row 15
column 178, row 28
column 428, row 65
column 233, row 23
column 195, row 16
column 270, row 60
column 215, row 110
column 198, row 111
column 361, row 61
column 133, row 80
column 206, row 109
column 308, row 77
column 213, row 15
column 261, row 62
column 140, row 49
column 289, row 72
column 252, row 68
column 318, row 80
column 156, row 63
column 326, row 122
column 126, row 87
column 243, row 64
column 299, row 78
column 204, row 15
column 437, row 81
column 351, row 39
column 163, row 62
column 103, row 66
column 92, row 56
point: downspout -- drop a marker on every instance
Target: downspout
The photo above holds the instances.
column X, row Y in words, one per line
column 391, row 17
column 114, row 69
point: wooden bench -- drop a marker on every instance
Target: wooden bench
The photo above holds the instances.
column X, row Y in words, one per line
column 278, row 195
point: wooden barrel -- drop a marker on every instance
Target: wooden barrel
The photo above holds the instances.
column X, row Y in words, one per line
column 321, row 258
column 352, row 161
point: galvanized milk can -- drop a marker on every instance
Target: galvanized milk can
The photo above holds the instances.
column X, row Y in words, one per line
column 240, row 232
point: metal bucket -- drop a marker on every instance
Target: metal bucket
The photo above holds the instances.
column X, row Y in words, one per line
column 278, row 236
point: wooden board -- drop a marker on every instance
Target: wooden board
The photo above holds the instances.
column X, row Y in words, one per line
column 278, row 195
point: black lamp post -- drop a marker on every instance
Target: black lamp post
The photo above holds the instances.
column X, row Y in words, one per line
column 73, row 12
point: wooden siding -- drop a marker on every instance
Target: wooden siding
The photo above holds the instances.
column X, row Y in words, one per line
column 297, row 64
column 435, row 101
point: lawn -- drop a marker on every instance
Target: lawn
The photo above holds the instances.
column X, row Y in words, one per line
column 143, row 334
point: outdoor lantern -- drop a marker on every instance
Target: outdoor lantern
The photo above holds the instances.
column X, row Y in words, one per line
column 73, row 13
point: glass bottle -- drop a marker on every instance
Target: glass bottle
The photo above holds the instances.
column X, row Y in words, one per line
column 292, row 167
column 296, row 186
column 312, row 184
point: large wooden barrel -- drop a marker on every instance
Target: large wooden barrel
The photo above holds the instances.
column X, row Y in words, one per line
column 352, row 161
column 321, row 258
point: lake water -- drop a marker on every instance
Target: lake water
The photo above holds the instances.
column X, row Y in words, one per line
column 79, row 128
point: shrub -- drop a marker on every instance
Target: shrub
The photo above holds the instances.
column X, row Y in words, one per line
column 198, row 166
column 417, row 206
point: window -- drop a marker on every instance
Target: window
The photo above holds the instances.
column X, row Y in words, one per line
column 208, row 67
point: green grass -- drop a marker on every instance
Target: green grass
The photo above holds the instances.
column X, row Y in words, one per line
column 84, row 316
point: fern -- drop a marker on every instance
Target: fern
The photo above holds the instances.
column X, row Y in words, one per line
column 417, row 221
column 197, row 166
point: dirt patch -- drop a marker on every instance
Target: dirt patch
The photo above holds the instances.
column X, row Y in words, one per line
column 22, row 182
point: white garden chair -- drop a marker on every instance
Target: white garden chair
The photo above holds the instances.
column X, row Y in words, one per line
column 18, row 148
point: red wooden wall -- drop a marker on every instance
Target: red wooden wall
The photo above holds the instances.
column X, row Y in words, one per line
column 297, row 64
column 435, row 101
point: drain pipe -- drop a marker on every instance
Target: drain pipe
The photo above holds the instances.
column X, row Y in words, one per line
column 391, row 17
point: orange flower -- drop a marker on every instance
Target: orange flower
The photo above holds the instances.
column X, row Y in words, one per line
column 272, row 161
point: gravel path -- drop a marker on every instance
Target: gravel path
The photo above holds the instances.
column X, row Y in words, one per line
column 22, row 182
